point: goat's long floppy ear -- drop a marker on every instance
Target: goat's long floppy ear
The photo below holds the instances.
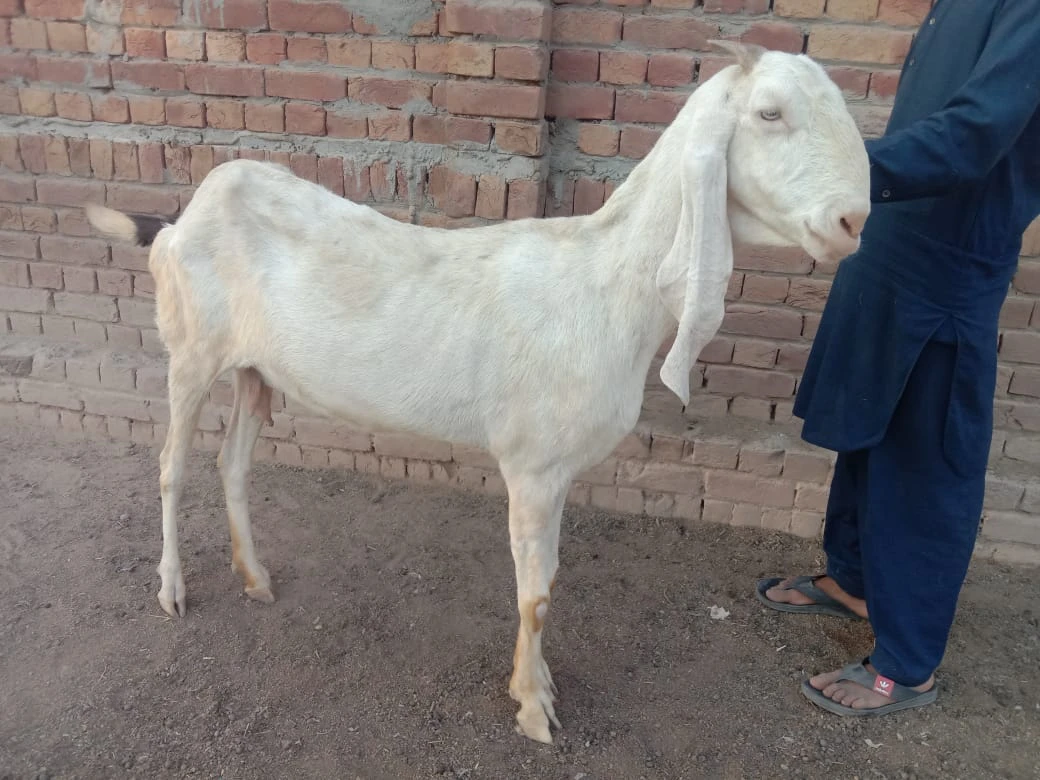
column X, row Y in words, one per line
column 693, row 278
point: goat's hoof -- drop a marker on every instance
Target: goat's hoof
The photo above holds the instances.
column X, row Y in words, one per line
column 262, row 593
column 174, row 598
column 533, row 724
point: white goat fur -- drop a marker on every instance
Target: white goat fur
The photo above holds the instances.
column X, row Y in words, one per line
column 531, row 339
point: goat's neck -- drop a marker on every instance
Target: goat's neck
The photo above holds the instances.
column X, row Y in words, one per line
column 635, row 229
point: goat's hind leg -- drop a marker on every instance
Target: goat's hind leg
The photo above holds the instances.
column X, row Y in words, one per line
column 189, row 381
column 251, row 410
column 535, row 508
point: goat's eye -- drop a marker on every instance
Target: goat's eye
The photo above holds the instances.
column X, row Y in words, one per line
column 770, row 115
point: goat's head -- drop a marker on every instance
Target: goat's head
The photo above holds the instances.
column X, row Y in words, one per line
column 766, row 153
column 798, row 172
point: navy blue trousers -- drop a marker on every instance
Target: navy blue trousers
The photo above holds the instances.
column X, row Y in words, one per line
column 901, row 526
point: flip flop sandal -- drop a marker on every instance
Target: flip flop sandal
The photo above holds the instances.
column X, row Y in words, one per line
column 901, row 697
column 822, row 603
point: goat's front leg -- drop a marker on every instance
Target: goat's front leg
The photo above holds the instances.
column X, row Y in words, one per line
column 535, row 507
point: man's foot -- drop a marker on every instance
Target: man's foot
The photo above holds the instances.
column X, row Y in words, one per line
column 858, row 690
column 810, row 595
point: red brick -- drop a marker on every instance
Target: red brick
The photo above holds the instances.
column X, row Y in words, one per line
column 392, row 93
column 1021, row 347
column 671, row 70
column 79, row 280
column 356, row 182
column 448, row 130
column 791, row 260
column 14, row 244
column 884, row 83
column 520, row 138
column 265, row 48
column 225, row 114
column 68, row 192
column 636, row 142
column 383, row 178
column 908, row 13
column 225, row 46
column 330, row 174
column 151, row 13
column 143, row 199
column 648, row 106
column 14, row 274
column 393, row 55
column 66, row 70
column 452, row 192
column 390, row 126
column 524, row 198
column 580, row 25
column 36, row 102
column 9, row 99
column 857, row 43
column 33, row 153
column 66, row 36
column 738, row 487
column 25, row 34
column 755, row 354
column 145, row 42
column 305, row 118
column 146, row 110
column 346, row 125
column 201, row 163
column 760, row 321
column 800, row 9
column 150, row 157
column 575, row 65
column 808, row 293
column 491, row 197
column 304, row 165
column 349, row 52
column 669, row 32
column 83, row 251
column 15, row 188
column 498, row 100
column 56, row 156
column 157, row 75
column 765, row 289
column 852, row 10
column 599, row 140
column 524, row 63
column 232, row 80
column 461, row 57
column 227, row 14
column 9, row 155
column 515, row 20
column 124, row 162
column 622, row 67
column 316, row 17
column 309, row 85
column 55, row 9
column 589, row 195
column 185, row 112
column 185, row 44
column 265, row 117
column 736, row 6
column 777, row 36
column 306, row 49
column 580, row 101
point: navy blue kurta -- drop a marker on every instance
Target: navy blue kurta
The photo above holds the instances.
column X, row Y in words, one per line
column 955, row 181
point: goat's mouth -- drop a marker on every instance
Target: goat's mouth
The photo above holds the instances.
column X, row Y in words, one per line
column 828, row 247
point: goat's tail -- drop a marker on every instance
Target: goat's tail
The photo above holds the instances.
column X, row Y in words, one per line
column 136, row 228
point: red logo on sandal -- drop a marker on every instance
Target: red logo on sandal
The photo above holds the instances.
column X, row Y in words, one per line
column 883, row 686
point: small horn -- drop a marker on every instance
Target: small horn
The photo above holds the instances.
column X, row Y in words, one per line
column 747, row 54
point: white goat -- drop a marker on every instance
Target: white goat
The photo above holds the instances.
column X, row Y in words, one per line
column 531, row 339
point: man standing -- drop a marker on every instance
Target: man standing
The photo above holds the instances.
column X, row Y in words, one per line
column 901, row 376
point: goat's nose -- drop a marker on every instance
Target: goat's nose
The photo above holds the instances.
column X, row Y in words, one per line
column 852, row 222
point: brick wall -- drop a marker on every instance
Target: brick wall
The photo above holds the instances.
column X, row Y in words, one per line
column 443, row 113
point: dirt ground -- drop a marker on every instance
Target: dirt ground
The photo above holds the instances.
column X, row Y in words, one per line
column 388, row 652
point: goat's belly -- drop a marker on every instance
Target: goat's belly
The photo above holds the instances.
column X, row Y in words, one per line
column 379, row 395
